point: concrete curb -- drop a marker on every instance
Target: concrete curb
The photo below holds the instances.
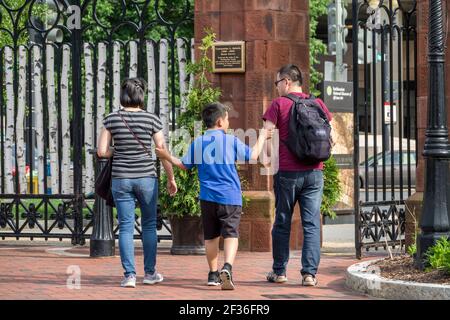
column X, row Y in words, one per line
column 364, row 277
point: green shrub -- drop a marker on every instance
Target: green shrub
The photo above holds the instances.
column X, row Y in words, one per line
column 332, row 189
column 412, row 249
column 438, row 256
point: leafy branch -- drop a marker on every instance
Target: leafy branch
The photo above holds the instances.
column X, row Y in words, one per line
column 317, row 8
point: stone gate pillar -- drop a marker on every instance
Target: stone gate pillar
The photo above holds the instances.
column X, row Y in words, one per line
column 275, row 32
column 414, row 203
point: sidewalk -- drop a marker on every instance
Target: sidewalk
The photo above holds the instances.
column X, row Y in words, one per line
column 41, row 270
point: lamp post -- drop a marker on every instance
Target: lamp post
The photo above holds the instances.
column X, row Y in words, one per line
column 102, row 240
column 435, row 216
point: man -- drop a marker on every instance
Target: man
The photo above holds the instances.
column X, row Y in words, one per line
column 295, row 181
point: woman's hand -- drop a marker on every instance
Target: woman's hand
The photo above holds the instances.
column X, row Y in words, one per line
column 172, row 187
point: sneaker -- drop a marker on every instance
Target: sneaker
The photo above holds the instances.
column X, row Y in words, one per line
column 226, row 279
column 213, row 278
column 273, row 277
column 152, row 278
column 309, row 280
column 129, row 281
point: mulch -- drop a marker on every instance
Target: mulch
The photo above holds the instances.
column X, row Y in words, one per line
column 402, row 268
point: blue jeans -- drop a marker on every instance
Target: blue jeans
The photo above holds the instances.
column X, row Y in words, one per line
column 125, row 191
column 307, row 188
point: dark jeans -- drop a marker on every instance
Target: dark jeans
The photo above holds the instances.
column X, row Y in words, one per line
column 290, row 187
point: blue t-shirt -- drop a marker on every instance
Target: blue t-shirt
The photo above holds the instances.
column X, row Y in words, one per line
column 215, row 154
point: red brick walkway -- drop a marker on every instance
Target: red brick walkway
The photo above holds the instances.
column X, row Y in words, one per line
column 41, row 272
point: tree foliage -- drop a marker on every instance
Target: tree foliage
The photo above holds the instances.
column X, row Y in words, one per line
column 109, row 14
column 317, row 8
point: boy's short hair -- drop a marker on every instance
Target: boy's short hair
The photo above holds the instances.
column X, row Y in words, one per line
column 212, row 112
column 292, row 72
column 132, row 92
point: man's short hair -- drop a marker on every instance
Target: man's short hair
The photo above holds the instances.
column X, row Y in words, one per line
column 212, row 112
column 292, row 72
column 132, row 92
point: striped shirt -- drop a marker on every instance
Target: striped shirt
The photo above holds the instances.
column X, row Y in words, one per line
column 131, row 160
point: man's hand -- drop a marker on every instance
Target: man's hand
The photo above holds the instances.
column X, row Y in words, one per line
column 268, row 133
column 163, row 154
column 172, row 187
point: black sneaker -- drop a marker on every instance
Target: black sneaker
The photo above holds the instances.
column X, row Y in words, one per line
column 226, row 278
column 213, row 278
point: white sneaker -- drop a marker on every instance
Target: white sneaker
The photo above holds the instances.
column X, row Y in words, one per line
column 152, row 278
column 129, row 281
column 309, row 280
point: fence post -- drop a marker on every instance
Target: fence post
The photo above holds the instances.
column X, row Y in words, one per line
column 102, row 242
column 76, row 132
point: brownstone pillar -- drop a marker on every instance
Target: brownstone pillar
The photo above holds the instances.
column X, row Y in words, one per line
column 276, row 32
column 414, row 208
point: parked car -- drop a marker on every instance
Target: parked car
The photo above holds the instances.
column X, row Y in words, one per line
column 370, row 179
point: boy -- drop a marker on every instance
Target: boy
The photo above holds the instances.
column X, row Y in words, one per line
column 215, row 154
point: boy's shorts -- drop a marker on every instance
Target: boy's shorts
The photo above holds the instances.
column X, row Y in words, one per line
column 220, row 220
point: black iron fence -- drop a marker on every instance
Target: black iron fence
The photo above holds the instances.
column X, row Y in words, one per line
column 61, row 63
column 385, row 116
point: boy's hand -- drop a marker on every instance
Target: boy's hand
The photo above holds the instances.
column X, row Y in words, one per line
column 163, row 154
column 172, row 187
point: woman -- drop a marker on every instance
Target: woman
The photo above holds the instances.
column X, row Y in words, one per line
column 134, row 175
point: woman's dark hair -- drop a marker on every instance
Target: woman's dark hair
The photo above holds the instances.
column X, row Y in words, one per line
column 132, row 92
column 212, row 112
column 292, row 72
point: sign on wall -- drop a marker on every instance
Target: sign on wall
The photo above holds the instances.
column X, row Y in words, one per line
column 228, row 56
column 338, row 96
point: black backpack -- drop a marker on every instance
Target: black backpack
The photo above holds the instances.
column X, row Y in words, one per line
column 309, row 136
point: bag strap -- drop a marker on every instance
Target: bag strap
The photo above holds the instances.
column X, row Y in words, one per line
column 293, row 97
column 297, row 99
column 134, row 135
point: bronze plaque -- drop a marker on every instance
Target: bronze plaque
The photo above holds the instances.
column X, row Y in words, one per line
column 229, row 56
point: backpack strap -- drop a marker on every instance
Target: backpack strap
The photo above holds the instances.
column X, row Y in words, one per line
column 293, row 97
column 297, row 99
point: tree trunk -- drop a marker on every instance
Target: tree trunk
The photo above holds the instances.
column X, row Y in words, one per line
column 52, row 119
column 191, row 76
column 39, row 114
column 66, row 187
column 133, row 59
column 20, row 120
column 151, row 100
column 116, row 75
column 89, row 173
column 9, row 137
column 164, row 87
column 181, row 48
column 101, row 90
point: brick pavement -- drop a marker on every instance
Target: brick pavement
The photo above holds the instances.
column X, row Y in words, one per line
column 39, row 271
